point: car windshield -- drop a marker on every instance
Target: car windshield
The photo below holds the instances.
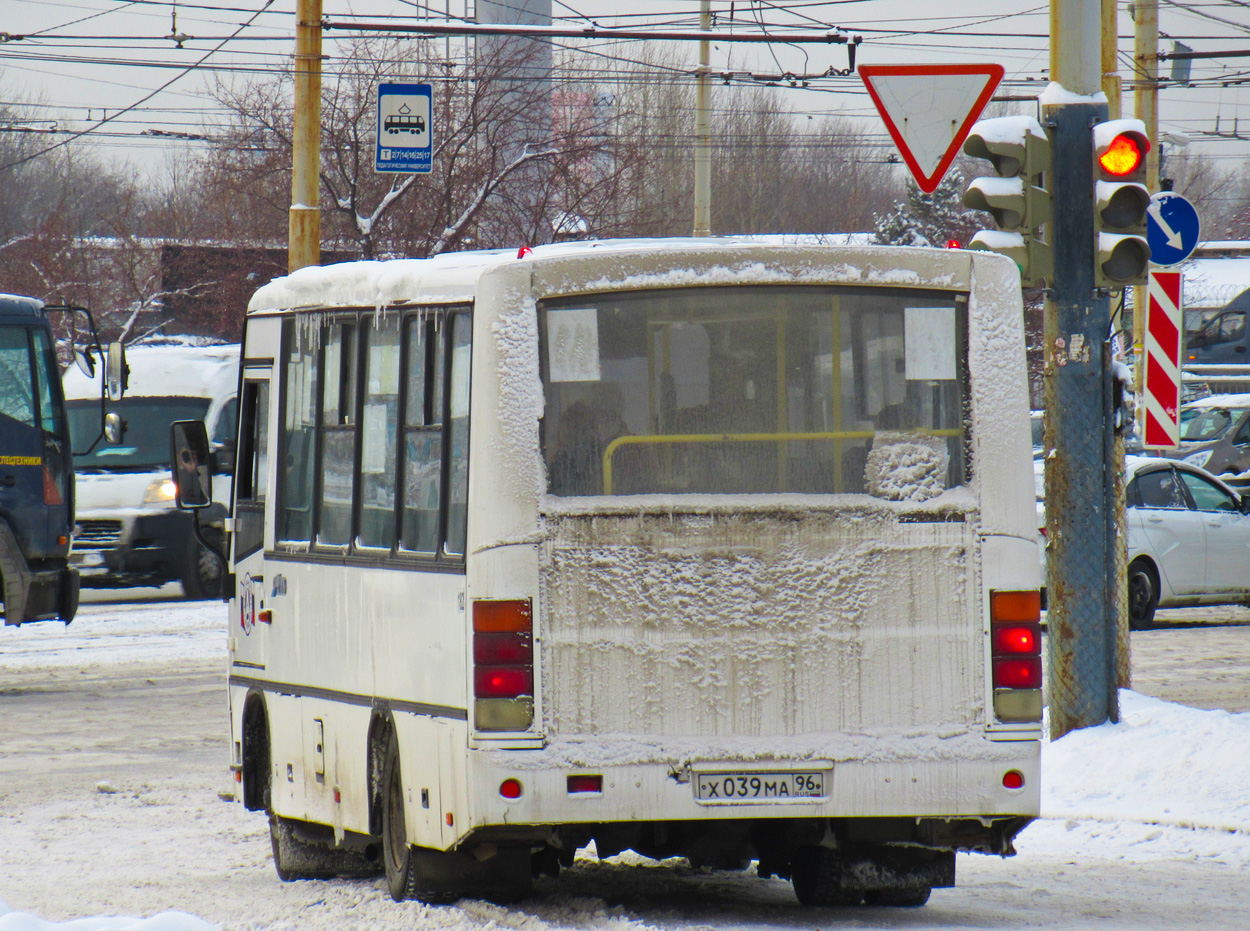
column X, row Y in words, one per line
column 739, row 390
column 1208, row 424
column 146, row 444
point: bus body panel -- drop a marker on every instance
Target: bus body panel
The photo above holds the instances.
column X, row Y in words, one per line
column 673, row 635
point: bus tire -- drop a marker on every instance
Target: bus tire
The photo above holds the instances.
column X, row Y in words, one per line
column 901, row 897
column 296, row 859
column 819, row 880
column 1143, row 594
column 408, row 872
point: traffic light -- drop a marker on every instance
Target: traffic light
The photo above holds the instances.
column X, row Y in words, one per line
column 1121, row 253
column 1017, row 198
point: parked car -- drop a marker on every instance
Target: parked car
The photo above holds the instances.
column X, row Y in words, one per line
column 1188, row 538
column 1215, row 434
column 1224, row 339
column 128, row 532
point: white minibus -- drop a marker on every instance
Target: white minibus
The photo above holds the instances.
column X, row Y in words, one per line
column 712, row 549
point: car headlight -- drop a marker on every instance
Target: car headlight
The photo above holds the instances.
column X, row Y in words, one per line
column 1199, row 459
column 160, row 491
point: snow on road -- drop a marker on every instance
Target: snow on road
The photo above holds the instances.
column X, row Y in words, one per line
column 1146, row 825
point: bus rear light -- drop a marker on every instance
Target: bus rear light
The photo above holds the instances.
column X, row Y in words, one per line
column 510, row 788
column 498, row 616
column 1023, row 672
column 503, row 649
column 1017, row 639
column 503, row 681
column 583, row 784
column 1013, row 779
column 1016, row 606
column 503, row 665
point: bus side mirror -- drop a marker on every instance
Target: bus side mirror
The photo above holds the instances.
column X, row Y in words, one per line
column 117, row 372
column 193, row 474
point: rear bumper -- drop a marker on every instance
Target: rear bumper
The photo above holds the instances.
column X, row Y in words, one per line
column 946, row 789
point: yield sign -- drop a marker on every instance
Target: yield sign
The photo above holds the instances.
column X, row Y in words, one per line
column 929, row 110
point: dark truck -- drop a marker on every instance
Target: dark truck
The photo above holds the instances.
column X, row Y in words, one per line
column 36, row 465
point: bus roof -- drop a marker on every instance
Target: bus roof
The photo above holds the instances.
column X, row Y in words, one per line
column 453, row 277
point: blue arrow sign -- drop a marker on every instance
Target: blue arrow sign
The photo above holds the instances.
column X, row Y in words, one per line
column 1172, row 228
column 404, row 129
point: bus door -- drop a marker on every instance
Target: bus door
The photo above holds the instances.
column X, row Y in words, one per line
column 254, row 590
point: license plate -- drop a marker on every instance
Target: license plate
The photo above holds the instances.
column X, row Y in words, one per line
column 760, row 787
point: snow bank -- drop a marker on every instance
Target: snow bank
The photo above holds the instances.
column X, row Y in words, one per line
column 166, row 921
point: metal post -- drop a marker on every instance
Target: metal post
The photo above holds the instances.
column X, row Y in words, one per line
column 304, row 231
column 1079, row 496
column 1113, row 88
column 703, row 131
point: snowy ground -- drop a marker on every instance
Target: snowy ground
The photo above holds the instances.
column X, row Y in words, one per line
column 114, row 753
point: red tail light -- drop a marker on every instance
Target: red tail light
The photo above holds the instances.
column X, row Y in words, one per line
column 51, row 489
column 579, row 784
column 503, row 681
column 1023, row 673
column 1016, row 639
column 503, row 665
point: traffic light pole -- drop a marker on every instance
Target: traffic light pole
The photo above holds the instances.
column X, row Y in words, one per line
column 1078, row 393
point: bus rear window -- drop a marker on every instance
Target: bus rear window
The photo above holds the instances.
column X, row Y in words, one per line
column 756, row 390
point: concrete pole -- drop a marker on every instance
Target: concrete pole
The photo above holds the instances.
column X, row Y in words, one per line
column 1079, row 490
column 1146, row 109
column 703, row 131
column 1113, row 88
column 304, row 232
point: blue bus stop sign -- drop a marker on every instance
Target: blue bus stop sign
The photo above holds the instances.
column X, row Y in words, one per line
column 404, row 129
column 1172, row 228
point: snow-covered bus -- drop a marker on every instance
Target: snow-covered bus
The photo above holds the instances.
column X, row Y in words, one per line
column 700, row 548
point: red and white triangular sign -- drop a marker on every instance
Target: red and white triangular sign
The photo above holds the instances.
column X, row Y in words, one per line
column 929, row 110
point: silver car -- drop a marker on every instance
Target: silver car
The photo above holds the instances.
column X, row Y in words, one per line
column 1188, row 538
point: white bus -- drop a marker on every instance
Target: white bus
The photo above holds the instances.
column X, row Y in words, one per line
column 699, row 548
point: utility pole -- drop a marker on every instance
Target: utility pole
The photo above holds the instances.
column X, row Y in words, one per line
column 703, row 130
column 1078, row 384
column 304, row 231
column 1146, row 109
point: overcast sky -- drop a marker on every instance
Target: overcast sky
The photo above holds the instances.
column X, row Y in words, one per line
column 82, row 60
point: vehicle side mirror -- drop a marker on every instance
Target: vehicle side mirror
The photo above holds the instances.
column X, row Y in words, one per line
column 84, row 361
column 117, row 372
column 114, row 428
column 191, row 464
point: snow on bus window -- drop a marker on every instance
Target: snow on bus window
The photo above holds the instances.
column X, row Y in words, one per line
column 769, row 389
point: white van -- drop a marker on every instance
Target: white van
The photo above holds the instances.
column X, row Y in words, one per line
column 128, row 532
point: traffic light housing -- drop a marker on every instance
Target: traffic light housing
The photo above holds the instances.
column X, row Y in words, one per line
column 1121, row 199
column 1017, row 196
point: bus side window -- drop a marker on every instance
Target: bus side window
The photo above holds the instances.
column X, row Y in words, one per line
column 380, row 425
column 298, row 467
column 423, row 436
column 253, row 465
column 458, row 436
column 338, row 434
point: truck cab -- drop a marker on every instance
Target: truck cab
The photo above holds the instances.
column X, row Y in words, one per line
column 128, row 531
column 36, row 476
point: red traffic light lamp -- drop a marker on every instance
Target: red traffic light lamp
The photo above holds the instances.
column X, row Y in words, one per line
column 1124, row 154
